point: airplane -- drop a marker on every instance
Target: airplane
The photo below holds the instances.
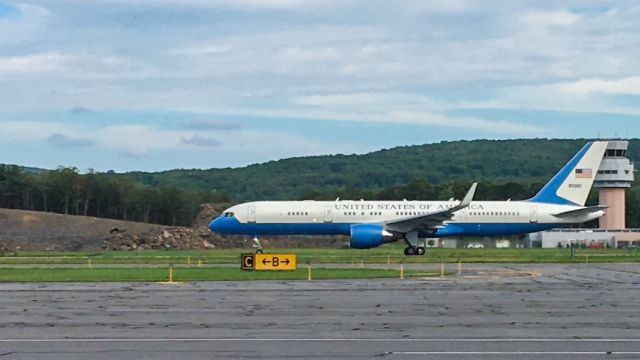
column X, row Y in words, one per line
column 560, row 203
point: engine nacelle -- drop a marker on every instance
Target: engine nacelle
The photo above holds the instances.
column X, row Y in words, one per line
column 367, row 236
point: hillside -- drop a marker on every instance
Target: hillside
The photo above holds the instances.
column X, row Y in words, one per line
column 520, row 161
column 508, row 169
column 31, row 230
column 22, row 230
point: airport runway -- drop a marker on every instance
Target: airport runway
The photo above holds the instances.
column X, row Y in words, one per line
column 494, row 312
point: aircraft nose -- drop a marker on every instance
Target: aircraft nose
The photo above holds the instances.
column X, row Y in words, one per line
column 216, row 224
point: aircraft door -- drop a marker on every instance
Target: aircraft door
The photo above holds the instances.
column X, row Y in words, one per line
column 328, row 214
column 251, row 213
column 533, row 218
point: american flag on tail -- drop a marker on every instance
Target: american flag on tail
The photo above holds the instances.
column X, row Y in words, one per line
column 584, row 173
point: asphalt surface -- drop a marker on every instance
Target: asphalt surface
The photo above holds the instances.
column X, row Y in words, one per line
column 490, row 312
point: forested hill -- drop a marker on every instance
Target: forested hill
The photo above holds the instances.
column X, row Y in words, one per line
column 511, row 169
column 519, row 161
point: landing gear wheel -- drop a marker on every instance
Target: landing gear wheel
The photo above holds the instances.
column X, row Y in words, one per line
column 409, row 251
column 257, row 245
column 421, row 251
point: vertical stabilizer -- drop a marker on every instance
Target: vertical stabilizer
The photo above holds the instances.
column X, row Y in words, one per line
column 572, row 184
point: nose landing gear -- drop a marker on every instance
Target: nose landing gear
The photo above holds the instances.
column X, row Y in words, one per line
column 256, row 245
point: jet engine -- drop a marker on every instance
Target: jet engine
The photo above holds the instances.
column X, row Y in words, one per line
column 367, row 236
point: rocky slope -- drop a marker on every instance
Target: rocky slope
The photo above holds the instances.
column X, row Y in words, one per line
column 37, row 231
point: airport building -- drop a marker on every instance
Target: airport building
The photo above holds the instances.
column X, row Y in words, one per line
column 614, row 177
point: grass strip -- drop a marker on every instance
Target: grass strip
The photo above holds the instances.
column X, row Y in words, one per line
column 385, row 254
column 190, row 274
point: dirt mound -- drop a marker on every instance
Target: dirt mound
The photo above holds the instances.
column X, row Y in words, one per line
column 30, row 230
column 37, row 231
column 207, row 213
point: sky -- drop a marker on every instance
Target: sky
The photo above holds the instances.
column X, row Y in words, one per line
column 162, row 84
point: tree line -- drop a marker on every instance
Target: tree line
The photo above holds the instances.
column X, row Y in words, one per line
column 66, row 191
column 524, row 162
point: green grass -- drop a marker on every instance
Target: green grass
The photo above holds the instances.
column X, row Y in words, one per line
column 382, row 255
column 128, row 266
column 189, row 274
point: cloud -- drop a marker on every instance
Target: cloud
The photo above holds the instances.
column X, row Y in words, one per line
column 63, row 141
column 204, row 49
column 384, row 115
column 75, row 66
column 138, row 140
column 313, row 61
column 625, row 86
column 79, row 110
column 30, row 130
column 22, row 23
column 574, row 97
column 553, row 18
column 214, row 125
column 239, row 4
column 351, row 99
column 201, row 141
column 7, row 10
column 486, row 126
column 34, row 63
column 269, row 144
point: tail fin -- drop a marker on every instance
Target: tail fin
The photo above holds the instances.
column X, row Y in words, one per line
column 571, row 185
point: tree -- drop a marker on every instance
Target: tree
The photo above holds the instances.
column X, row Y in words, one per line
column 64, row 182
column 11, row 186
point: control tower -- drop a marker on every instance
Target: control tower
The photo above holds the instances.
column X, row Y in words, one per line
column 614, row 177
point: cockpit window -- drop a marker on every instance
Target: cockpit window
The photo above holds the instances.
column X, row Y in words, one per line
column 228, row 214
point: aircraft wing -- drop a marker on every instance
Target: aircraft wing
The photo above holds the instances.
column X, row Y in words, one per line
column 431, row 221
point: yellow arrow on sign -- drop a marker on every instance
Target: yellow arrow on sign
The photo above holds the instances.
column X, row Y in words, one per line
column 275, row 262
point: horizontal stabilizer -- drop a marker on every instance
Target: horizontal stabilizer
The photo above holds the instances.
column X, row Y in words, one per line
column 581, row 212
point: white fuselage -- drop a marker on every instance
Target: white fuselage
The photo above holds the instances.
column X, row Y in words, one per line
column 481, row 218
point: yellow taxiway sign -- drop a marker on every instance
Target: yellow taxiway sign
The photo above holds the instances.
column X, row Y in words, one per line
column 263, row 262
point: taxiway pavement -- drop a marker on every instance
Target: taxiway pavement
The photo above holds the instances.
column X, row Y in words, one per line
column 491, row 312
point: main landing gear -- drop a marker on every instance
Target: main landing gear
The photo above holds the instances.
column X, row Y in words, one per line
column 414, row 245
column 417, row 250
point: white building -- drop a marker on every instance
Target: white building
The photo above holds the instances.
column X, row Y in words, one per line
column 585, row 237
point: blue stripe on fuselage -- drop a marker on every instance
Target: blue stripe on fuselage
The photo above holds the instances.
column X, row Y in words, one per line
column 230, row 225
column 494, row 229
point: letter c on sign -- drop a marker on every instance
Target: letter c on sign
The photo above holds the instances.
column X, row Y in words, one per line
column 248, row 262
